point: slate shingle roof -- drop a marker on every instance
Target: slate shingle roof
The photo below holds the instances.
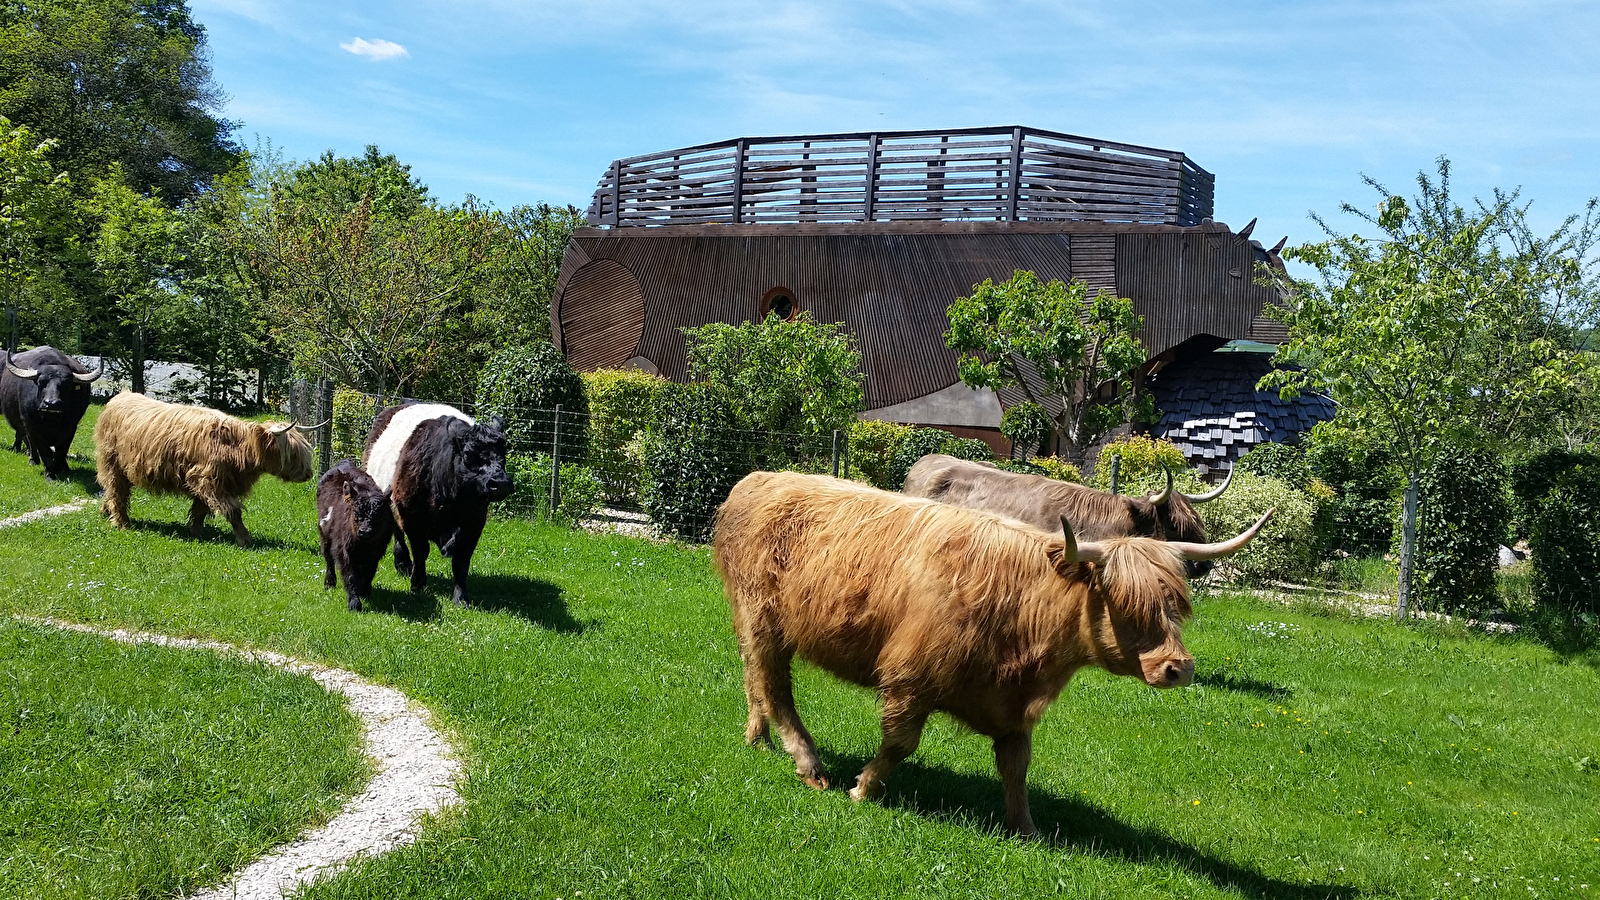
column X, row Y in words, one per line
column 1211, row 409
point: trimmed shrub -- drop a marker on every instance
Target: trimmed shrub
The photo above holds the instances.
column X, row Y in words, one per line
column 873, row 446
column 1026, row 425
column 1048, row 466
column 1279, row 461
column 691, row 459
column 524, row 385
column 1461, row 518
column 620, row 406
column 580, row 491
column 1565, row 539
column 1285, row 550
column 353, row 413
column 1534, row 476
column 1141, row 455
column 923, row 441
column 1363, row 514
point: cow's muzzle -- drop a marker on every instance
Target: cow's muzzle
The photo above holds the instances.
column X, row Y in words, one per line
column 1169, row 672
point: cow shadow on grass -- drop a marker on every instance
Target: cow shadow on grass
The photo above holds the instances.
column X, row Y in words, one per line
column 413, row 607
column 215, row 534
column 534, row 599
column 1244, row 684
column 1068, row 824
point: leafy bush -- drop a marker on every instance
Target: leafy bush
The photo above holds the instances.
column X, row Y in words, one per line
column 1565, row 539
column 923, row 441
column 1279, row 461
column 620, row 407
column 1026, row 425
column 353, row 413
column 580, row 493
column 1534, row 476
column 873, row 446
column 1285, row 550
column 1048, row 466
column 1461, row 518
column 791, row 377
column 524, row 385
column 1141, row 455
column 691, row 459
column 1361, row 517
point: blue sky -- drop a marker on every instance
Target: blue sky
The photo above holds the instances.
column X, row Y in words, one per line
column 1288, row 104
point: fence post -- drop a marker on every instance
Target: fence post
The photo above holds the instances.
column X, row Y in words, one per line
column 836, row 453
column 555, row 463
column 325, row 433
column 1116, row 463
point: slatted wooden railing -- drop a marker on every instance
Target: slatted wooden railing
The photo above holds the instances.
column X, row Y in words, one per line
column 979, row 174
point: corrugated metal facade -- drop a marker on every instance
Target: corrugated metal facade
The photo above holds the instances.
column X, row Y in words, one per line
column 889, row 283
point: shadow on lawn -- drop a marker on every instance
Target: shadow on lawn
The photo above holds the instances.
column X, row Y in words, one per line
column 419, row 607
column 1243, row 684
column 1068, row 824
column 533, row 599
column 213, row 533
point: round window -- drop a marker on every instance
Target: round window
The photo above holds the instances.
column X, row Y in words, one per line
column 779, row 302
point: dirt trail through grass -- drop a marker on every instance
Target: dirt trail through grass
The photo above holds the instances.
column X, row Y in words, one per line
column 416, row 773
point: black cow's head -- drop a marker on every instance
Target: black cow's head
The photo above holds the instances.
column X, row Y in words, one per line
column 372, row 518
column 480, row 459
column 60, row 387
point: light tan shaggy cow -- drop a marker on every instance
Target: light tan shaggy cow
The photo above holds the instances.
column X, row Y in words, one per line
column 939, row 608
column 203, row 454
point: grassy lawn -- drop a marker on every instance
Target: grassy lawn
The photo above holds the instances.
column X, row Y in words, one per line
column 596, row 693
column 139, row 771
column 23, row 487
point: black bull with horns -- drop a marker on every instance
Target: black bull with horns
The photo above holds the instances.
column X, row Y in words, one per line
column 44, row 394
column 1167, row 515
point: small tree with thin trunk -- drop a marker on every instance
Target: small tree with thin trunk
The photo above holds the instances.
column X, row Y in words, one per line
column 1065, row 350
column 1453, row 329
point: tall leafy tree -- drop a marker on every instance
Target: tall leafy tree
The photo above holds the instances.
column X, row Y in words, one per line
column 140, row 252
column 1080, row 352
column 1453, row 328
column 36, row 225
column 117, row 81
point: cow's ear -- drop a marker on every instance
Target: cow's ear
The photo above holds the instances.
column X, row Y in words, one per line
column 498, row 423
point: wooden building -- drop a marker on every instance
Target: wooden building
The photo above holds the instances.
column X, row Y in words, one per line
column 882, row 232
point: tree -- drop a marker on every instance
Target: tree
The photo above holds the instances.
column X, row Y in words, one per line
column 36, row 221
column 117, row 81
column 785, row 377
column 1062, row 349
column 1452, row 330
column 337, row 185
column 140, row 251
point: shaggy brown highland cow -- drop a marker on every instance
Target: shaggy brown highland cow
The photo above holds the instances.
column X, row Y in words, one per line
column 203, row 454
column 939, row 608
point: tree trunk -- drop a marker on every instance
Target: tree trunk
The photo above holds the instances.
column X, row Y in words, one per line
column 136, row 362
column 1408, row 545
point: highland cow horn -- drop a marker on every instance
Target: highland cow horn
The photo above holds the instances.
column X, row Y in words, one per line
column 1225, row 548
column 1213, row 494
column 1093, row 551
column 1245, row 232
column 1166, row 492
column 1279, row 246
column 90, row 377
column 29, row 374
column 275, row 429
column 313, row 427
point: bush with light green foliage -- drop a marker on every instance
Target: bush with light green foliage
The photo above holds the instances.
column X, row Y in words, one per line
column 1058, row 468
column 923, row 441
column 580, row 494
column 1285, row 550
column 873, row 446
column 621, row 402
column 353, row 412
column 1140, row 455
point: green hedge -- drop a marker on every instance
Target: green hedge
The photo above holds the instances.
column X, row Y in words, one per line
column 923, row 441
column 353, row 413
column 524, row 384
column 1533, row 477
column 1361, row 517
column 873, row 446
column 581, row 493
column 1565, row 540
column 620, row 407
column 1141, row 455
column 1462, row 514
column 691, row 459
column 1285, row 550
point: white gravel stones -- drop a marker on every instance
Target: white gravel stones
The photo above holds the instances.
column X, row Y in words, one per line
column 38, row 514
column 416, row 774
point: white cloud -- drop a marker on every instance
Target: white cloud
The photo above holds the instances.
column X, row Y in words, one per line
column 376, row 49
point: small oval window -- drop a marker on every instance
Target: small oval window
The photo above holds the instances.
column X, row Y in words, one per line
column 779, row 302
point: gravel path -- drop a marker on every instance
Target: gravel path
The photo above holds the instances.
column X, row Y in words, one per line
column 416, row 773
column 38, row 514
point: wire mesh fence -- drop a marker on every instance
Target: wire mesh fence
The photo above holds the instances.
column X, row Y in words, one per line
column 580, row 470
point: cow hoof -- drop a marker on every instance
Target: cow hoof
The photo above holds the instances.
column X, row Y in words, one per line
column 860, row 793
column 818, row 781
column 355, row 604
column 328, row 581
column 402, row 569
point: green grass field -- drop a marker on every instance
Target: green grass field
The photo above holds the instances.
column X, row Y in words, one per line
column 595, row 691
